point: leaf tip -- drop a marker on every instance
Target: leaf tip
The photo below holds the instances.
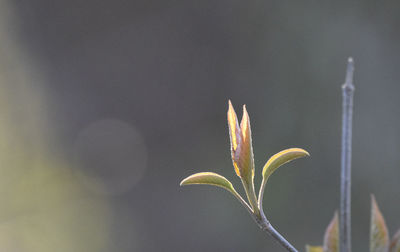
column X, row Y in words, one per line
column 182, row 183
column 379, row 235
column 186, row 181
column 395, row 243
column 301, row 152
column 331, row 237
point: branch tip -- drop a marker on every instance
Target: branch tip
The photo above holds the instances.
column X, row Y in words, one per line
column 348, row 84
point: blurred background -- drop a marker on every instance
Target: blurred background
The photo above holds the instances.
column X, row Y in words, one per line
column 106, row 105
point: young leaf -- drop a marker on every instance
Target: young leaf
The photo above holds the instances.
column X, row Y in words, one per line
column 395, row 244
column 281, row 158
column 211, row 178
column 235, row 136
column 379, row 237
column 273, row 163
column 314, row 248
column 247, row 156
column 241, row 144
column 208, row 178
column 331, row 238
column 242, row 152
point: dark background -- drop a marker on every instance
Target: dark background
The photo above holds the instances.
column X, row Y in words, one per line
column 123, row 99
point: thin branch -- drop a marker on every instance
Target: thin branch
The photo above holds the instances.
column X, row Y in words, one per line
column 345, row 184
column 265, row 225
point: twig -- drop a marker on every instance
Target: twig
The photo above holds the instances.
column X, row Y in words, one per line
column 345, row 184
column 265, row 225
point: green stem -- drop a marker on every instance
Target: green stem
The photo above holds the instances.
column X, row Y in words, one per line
column 261, row 196
column 251, row 196
column 243, row 202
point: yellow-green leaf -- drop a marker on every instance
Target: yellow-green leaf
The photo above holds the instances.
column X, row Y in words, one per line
column 241, row 145
column 281, row 158
column 242, row 152
column 246, row 156
column 331, row 238
column 235, row 136
column 208, row 178
column 314, row 248
column 379, row 236
column 395, row 244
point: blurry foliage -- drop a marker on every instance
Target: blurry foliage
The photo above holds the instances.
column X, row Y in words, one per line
column 331, row 238
column 379, row 234
column 43, row 207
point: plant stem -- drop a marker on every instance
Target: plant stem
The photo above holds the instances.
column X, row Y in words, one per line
column 265, row 225
column 251, row 196
column 345, row 184
column 261, row 196
column 243, row 202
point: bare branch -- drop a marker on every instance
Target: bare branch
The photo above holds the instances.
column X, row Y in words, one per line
column 345, row 184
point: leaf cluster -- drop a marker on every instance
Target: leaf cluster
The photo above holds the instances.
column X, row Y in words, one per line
column 243, row 163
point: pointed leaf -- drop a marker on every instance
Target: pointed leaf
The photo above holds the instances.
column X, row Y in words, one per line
column 208, row 178
column 235, row 137
column 233, row 124
column 246, row 158
column 395, row 244
column 331, row 238
column 314, row 248
column 379, row 237
column 241, row 145
column 242, row 152
column 281, row 158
